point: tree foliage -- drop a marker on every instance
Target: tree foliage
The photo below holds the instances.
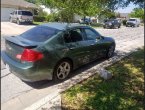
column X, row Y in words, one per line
column 67, row 8
column 138, row 13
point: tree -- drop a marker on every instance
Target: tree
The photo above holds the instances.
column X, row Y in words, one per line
column 138, row 13
column 67, row 8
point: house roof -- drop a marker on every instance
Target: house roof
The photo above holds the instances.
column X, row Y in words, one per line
column 19, row 3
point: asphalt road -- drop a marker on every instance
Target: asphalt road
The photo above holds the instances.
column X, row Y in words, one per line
column 11, row 86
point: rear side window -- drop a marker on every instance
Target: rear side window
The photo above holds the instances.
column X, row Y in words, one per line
column 39, row 33
column 74, row 35
column 28, row 13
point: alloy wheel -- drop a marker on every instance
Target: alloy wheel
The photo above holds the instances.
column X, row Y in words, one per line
column 63, row 70
column 111, row 51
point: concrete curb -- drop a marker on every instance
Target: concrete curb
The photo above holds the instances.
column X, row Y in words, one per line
column 42, row 102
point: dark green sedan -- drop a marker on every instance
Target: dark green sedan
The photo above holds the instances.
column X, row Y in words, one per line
column 53, row 50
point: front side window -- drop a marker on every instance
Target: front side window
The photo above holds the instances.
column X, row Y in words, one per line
column 39, row 33
column 19, row 13
column 91, row 35
column 74, row 35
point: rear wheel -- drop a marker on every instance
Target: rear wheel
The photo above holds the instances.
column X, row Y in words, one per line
column 62, row 70
column 110, row 51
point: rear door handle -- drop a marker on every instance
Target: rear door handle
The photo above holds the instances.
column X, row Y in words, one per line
column 92, row 44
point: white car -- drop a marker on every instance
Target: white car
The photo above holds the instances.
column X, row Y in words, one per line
column 20, row 16
column 133, row 22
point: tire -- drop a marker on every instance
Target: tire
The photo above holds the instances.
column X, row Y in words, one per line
column 18, row 22
column 110, row 51
column 62, row 70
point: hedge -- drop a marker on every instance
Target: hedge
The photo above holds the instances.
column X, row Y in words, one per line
column 39, row 18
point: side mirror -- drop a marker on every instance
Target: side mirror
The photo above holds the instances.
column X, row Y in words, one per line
column 101, row 37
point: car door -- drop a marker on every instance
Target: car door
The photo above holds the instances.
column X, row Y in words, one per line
column 78, row 47
column 96, row 43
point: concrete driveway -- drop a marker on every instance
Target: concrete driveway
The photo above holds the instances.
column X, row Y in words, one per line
column 9, row 29
column 11, row 86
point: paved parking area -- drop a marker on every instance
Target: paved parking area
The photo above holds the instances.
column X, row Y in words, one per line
column 12, row 86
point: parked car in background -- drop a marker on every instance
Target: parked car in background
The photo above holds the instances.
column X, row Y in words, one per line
column 53, row 50
column 20, row 16
column 85, row 21
column 133, row 22
column 112, row 23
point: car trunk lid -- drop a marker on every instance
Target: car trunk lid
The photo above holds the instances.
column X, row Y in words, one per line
column 16, row 45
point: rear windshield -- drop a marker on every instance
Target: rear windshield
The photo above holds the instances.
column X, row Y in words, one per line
column 28, row 13
column 39, row 33
column 132, row 19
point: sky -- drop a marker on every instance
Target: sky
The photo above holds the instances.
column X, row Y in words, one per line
column 127, row 9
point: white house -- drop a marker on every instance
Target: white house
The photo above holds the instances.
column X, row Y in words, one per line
column 8, row 6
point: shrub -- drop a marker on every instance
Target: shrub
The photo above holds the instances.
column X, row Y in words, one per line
column 39, row 18
column 124, row 22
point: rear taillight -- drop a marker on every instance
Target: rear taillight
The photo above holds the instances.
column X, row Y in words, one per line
column 29, row 55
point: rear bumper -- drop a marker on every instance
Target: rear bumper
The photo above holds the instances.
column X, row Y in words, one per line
column 22, row 20
column 29, row 73
column 130, row 24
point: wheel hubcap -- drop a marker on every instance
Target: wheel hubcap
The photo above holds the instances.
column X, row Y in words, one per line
column 63, row 70
column 111, row 50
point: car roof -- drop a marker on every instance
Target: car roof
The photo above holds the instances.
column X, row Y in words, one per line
column 62, row 26
column 22, row 10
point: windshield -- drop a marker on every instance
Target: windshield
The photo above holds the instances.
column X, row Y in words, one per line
column 39, row 33
column 132, row 19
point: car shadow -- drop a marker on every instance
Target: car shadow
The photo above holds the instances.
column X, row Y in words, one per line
column 28, row 24
column 48, row 83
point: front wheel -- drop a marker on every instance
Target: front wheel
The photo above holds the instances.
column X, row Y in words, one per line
column 62, row 70
column 110, row 51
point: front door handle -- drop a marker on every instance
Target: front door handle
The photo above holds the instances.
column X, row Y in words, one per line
column 71, row 48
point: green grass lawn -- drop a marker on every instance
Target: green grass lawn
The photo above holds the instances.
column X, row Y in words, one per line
column 38, row 23
column 125, row 91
